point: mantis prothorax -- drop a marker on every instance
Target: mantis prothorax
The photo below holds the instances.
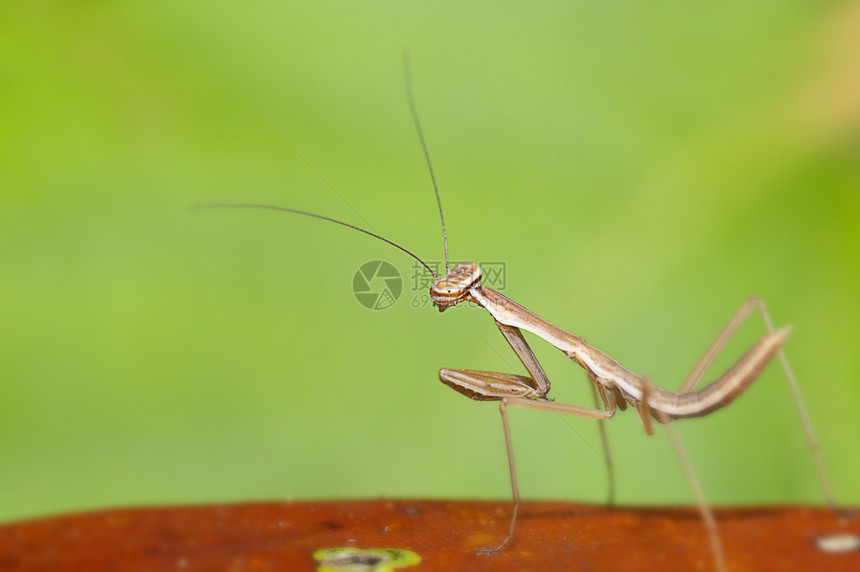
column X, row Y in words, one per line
column 615, row 386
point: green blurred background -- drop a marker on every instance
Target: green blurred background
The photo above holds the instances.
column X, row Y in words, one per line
column 148, row 354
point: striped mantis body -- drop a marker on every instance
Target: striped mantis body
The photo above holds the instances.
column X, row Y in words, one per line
column 615, row 387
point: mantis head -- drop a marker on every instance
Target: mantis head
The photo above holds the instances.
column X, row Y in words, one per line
column 454, row 286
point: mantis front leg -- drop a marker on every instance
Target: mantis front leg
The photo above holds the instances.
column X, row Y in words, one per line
column 492, row 386
column 519, row 391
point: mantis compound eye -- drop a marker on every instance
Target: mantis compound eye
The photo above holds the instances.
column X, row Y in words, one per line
column 455, row 286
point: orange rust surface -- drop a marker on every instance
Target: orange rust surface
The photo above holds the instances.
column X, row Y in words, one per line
column 550, row 536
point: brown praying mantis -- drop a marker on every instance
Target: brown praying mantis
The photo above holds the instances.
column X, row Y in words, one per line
column 614, row 386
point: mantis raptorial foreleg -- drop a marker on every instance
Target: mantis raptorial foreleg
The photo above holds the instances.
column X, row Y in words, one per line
column 484, row 385
column 521, row 347
column 489, row 385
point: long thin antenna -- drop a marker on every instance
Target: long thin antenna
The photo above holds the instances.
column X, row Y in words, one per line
column 407, row 72
column 295, row 211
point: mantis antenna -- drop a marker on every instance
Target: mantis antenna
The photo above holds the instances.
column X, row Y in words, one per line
column 407, row 72
column 305, row 213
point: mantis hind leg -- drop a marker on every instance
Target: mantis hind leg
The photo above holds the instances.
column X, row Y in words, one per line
column 645, row 412
column 713, row 351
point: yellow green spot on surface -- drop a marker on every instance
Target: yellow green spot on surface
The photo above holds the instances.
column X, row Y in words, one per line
column 350, row 559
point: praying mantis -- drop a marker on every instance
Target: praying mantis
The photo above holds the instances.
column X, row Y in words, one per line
column 614, row 386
